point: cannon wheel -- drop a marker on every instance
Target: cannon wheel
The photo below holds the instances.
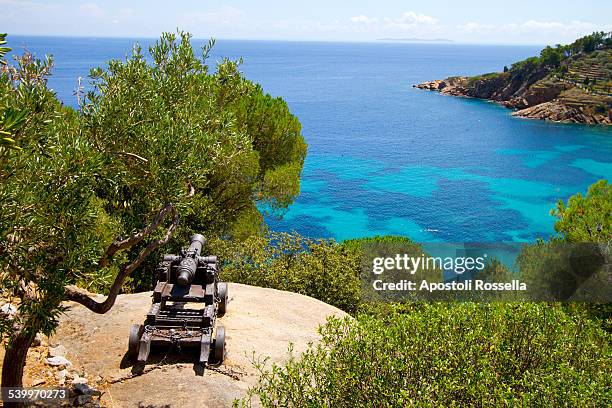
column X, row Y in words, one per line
column 134, row 343
column 219, row 350
column 222, row 294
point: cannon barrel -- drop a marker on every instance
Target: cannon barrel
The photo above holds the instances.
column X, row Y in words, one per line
column 186, row 270
column 195, row 247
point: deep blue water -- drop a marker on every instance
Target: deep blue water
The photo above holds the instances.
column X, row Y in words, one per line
column 386, row 158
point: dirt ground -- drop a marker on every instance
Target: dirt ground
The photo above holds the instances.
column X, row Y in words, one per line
column 259, row 323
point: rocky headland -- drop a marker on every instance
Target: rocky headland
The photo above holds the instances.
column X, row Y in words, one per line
column 577, row 89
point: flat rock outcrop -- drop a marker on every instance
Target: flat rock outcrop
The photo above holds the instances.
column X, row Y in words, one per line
column 557, row 111
column 260, row 323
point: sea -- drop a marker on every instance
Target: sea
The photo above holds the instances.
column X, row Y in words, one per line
column 387, row 158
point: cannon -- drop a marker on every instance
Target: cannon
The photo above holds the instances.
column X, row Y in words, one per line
column 187, row 300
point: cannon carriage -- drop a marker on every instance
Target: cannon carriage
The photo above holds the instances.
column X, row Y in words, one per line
column 187, row 300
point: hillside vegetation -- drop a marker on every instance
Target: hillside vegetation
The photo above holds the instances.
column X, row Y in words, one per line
column 451, row 355
column 566, row 83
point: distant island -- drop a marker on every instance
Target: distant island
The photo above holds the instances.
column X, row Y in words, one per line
column 566, row 83
column 428, row 40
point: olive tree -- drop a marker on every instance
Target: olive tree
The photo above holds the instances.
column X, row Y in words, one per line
column 158, row 148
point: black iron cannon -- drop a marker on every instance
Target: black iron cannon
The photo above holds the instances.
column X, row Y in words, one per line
column 185, row 279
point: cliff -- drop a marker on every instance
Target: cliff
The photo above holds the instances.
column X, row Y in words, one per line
column 577, row 89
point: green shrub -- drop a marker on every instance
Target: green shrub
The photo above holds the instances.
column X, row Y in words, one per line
column 484, row 77
column 583, row 219
column 528, row 64
column 551, row 57
column 320, row 268
column 560, row 270
column 448, row 354
column 323, row 269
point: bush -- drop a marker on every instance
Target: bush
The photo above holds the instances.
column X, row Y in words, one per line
column 551, row 57
column 323, row 269
column 484, row 77
column 448, row 355
column 559, row 270
column 320, row 268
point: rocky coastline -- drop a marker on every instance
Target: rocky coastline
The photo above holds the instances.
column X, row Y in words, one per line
column 535, row 94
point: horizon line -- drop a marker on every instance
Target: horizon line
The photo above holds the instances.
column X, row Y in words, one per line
column 338, row 41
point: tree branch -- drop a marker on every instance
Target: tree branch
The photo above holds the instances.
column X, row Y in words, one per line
column 136, row 238
column 81, row 296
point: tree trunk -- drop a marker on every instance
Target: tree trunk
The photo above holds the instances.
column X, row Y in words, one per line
column 14, row 362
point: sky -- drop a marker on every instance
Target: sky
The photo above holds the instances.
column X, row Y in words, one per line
column 488, row 21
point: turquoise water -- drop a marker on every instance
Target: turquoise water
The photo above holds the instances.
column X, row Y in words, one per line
column 386, row 158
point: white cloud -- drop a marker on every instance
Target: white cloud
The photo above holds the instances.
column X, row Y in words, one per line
column 531, row 31
column 94, row 17
column 363, row 19
column 408, row 23
column 410, row 18
column 414, row 24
